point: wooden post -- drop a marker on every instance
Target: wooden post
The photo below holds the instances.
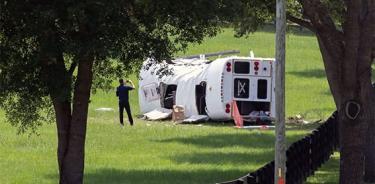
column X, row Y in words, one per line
column 280, row 153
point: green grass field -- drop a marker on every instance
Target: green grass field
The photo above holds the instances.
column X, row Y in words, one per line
column 161, row 152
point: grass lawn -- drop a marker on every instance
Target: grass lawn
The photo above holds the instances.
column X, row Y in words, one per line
column 161, row 152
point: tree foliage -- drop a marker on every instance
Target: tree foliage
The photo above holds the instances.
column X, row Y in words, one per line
column 255, row 13
column 119, row 35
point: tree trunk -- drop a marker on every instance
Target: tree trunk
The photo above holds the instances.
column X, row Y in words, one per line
column 60, row 96
column 370, row 139
column 73, row 161
column 351, row 149
column 347, row 59
column 71, row 126
column 63, row 119
column 370, row 147
column 351, row 81
column 370, row 150
column 330, row 66
column 357, row 92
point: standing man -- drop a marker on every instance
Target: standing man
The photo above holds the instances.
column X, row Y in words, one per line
column 123, row 96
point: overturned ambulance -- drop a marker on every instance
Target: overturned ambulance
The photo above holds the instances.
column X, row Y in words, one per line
column 212, row 88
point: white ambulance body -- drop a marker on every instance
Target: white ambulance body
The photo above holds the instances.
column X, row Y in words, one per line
column 209, row 88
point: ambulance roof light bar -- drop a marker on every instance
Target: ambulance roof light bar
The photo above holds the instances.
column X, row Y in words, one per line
column 227, row 52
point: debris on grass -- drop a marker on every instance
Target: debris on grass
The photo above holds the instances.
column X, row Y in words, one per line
column 299, row 119
column 104, row 109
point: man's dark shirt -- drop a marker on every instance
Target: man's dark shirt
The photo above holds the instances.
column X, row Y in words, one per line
column 123, row 93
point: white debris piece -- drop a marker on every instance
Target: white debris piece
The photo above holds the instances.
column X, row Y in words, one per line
column 195, row 118
column 104, row 109
column 158, row 114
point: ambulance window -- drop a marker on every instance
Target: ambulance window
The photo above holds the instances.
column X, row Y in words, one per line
column 241, row 67
column 241, row 88
column 170, row 95
column 200, row 98
column 151, row 92
column 262, row 89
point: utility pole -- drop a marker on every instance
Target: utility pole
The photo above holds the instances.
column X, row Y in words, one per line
column 280, row 153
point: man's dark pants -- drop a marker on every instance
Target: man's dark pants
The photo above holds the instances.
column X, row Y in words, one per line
column 122, row 105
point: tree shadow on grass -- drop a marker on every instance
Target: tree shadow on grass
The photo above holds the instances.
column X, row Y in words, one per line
column 247, row 140
column 256, row 139
column 258, row 158
column 327, row 174
column 158, row 176
column 314, row 73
